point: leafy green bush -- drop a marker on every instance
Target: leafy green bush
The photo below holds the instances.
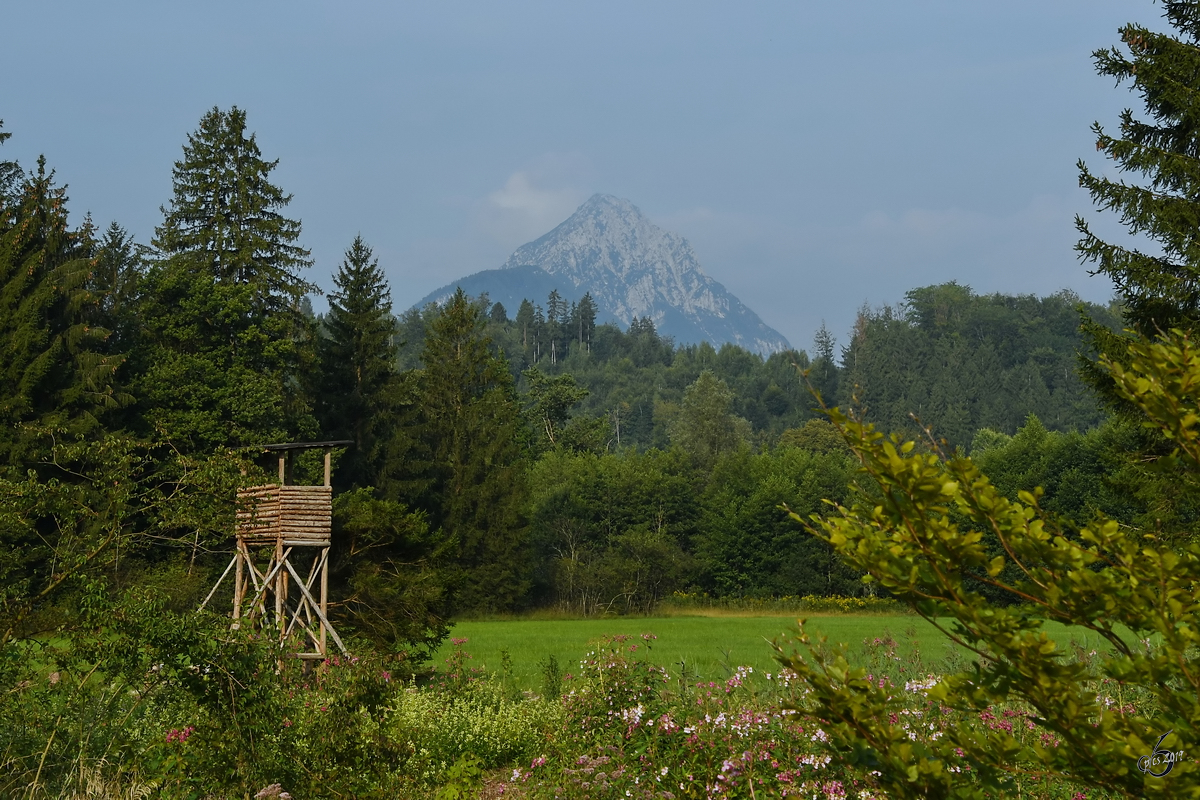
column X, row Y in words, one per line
column 438, row 730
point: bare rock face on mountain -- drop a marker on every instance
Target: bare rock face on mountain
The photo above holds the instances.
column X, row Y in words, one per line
column 631, row 268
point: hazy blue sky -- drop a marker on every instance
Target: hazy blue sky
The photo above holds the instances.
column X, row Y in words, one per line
column 818, row 155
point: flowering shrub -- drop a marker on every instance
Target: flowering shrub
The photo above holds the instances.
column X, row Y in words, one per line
column 633, row 731
column 614, row 684
column 459, row 675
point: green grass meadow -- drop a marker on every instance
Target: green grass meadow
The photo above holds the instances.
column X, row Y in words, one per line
column 709, row 645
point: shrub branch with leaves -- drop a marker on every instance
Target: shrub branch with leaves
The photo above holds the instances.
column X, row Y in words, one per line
column 928, row 526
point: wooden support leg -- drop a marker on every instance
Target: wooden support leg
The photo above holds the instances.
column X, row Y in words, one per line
column 280, row 599
column 324, row 598
column 239, row 588
column 280, row 592
column 218, row 583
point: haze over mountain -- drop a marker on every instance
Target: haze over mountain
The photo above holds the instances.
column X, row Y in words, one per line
column 632, row 268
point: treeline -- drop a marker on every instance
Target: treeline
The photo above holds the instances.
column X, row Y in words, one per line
column 960, row 362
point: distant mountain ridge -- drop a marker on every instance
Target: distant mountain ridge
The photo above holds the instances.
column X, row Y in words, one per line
column 632, row 268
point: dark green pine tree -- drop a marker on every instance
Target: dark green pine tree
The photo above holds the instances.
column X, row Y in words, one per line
column 226, row 213
column 539, row 333
column 10, row 174
column 823, row 372
column 114, row 284
column 1161, row 151
column 1160, row 290
column 386, row 561
column 358, row 365
column 54, row 374
column 585, row 321
column 472, row 430
column 221, row 311
column 525, row 324
column 498, row 315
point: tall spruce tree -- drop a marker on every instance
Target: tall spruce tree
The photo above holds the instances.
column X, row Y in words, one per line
column 472, row 430
column 585, row 321
column 525, row 323
column 824, row 373
column 1161, row 151
column 222, row 302
column 358, row 363
column 1159, row 291
column 555, row 307
column 498, row 314
column 10, row 174
column 53, row 373
column 114, row 284
column 226, row 214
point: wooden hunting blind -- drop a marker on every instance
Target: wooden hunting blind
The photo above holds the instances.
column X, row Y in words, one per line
column 280, row 563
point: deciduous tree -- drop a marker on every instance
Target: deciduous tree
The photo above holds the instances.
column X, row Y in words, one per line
column 706, row 425
column 550, row 402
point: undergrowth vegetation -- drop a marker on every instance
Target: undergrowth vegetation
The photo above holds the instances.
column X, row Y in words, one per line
column 611, row 725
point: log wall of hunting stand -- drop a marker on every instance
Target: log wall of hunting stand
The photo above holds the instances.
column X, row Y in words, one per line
column 296, row 515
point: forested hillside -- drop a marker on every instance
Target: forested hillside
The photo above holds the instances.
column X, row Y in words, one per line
column 956, row 360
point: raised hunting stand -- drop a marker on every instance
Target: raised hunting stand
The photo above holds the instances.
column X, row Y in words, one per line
column 280, row 526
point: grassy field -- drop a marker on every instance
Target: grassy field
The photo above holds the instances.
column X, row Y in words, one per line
column 709, row 645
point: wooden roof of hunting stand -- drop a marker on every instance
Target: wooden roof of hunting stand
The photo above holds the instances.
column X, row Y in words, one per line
column 280, row 527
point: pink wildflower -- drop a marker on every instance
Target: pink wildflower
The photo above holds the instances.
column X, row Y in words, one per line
column 180, row 736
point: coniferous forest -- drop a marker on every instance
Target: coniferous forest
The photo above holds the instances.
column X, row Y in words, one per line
column 504, row 461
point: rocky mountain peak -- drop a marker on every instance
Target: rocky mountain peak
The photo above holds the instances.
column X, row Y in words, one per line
column 632, row 268
column 610, row 235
